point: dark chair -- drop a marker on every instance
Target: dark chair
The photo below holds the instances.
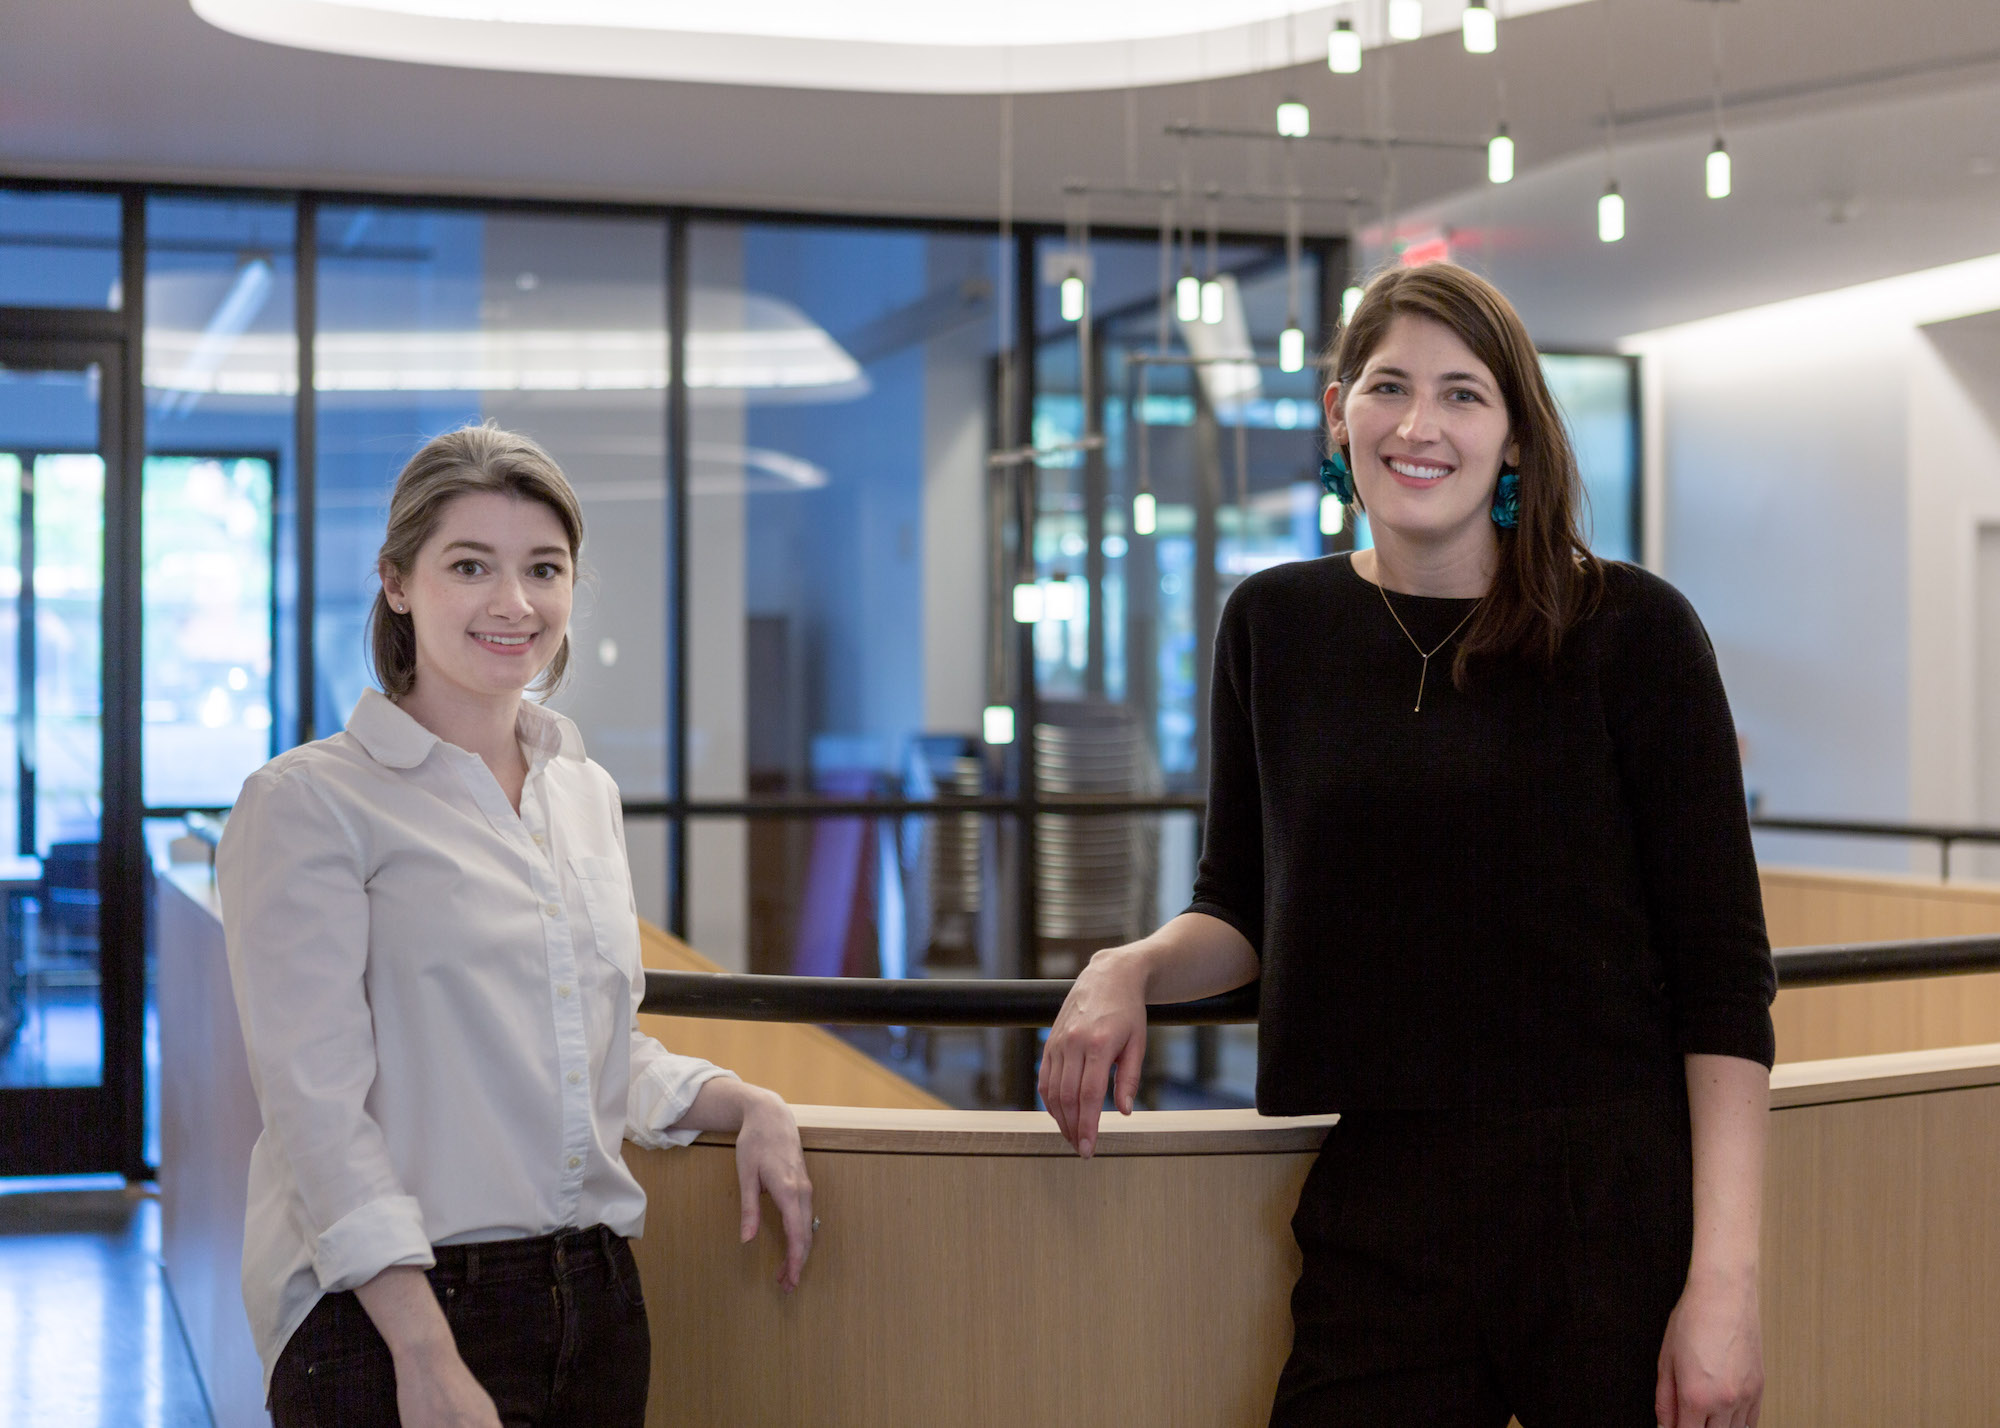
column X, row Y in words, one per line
column 69, row 903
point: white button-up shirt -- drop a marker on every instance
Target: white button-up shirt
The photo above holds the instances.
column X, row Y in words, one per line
column 439, row 1000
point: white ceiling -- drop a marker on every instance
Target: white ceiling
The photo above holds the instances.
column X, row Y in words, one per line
column 883, row 46
column 1884, row 114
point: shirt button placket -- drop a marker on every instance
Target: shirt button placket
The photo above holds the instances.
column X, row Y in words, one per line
column 571, row 1041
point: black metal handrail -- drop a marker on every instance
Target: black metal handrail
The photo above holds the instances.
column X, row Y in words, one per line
column 1943, row 834
column 1954, row 832
column 876, row 1001
column 1087, row 806
column 1847, row 962
column 812, row 806
column 914, row 1001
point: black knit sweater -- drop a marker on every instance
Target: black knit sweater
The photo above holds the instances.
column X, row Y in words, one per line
column 1537, row 892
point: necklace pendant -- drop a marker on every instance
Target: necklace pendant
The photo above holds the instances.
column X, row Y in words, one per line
column 1423, row 674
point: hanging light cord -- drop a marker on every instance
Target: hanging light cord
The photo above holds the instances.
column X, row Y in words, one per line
column 1610, row 110
column 1715, row 58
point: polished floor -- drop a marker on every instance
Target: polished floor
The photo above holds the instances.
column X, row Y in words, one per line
column 88, row 1334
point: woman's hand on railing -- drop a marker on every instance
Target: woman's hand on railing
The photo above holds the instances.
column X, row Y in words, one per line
column 1102, row 1024
column 769, row 1161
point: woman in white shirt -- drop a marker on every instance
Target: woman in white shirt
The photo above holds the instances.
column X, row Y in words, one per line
column 435, row 952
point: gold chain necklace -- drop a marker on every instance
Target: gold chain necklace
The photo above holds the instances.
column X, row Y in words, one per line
column 1424, row 674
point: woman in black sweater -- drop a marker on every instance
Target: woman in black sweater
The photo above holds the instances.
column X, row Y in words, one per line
column 1476, row 822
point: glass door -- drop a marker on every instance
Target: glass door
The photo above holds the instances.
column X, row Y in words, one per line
column 62, row 961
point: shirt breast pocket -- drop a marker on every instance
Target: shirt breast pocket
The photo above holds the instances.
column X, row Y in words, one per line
column 614, row 926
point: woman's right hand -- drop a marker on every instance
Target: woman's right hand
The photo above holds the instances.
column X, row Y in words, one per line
column 1102, row 1024
column 434, row 1388
column 440, row 1392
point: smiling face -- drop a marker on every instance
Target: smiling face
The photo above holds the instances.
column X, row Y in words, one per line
column 488, row 595
column 1427, row 433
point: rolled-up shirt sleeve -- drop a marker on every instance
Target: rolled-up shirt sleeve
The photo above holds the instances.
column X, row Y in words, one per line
column 664, row 1084
column 293, row 887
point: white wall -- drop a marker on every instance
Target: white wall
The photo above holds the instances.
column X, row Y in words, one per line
column 1954, row 468
column 1824, row 467
column 1783, row 522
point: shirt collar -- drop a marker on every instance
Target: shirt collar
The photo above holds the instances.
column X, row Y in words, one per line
column 395, row 740
column 546, row 734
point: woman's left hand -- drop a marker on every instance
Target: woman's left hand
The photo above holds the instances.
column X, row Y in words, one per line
column 1712, row 1360
column 769, row 1160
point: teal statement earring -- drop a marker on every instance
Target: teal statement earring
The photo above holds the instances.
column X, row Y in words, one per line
column 1339, row 481
column 1507, row 501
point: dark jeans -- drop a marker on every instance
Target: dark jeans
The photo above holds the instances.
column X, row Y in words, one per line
column 553, row 1327
column 1461, row 1267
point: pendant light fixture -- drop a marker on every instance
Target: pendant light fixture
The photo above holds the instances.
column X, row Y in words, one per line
column 1406, row 19
column 1611, row 204
column 1717, row 175
column 1294, row 119
column 1343, row 48
column 1074, row 288
column 1350, row 296
column 1059, row 597
column 1611, row 214
column 1332, row 518
column 1027, row 595
column 1292, row 347
column 1145, row 514
column 1500, row 156
column 1718, row 170
column 1072, row 298
column 1292, row 341
column 1187, row 298
column 1212, row 296
column 1500, row 148
column 1479, row 28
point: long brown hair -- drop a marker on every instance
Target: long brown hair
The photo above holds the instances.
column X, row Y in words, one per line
column 1547, row 580
column 459, row 463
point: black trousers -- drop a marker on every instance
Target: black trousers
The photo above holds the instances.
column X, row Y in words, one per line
column 1459, row 1267
column 554, row 1328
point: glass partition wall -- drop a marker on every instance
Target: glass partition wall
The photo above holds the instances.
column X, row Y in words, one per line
column 865, row 540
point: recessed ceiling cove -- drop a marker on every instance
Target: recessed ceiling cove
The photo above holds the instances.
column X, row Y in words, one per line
column 906, row 46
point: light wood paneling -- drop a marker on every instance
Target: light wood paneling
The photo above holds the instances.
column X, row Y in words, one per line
column 800, row 1063
column 1814, row 909
column 1881, row 1253
column 1150, row 1288
column 1014, row 1287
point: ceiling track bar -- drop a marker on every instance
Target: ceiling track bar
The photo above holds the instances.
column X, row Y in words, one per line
column 1166, row 189
column 1183, row 130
